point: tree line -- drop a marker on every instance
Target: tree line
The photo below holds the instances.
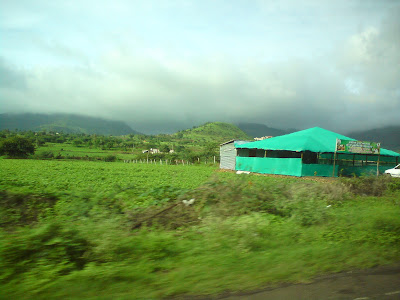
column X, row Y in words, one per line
column 22, row 144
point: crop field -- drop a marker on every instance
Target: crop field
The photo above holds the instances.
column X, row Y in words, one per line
column 65, row 149
column 112, row 230
column 54, row 177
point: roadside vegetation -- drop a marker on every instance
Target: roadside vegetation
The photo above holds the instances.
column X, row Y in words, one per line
column 98, row 230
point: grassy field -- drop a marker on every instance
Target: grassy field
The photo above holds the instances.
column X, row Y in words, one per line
column 68, row 150
column 59, row 178
column 97, row 230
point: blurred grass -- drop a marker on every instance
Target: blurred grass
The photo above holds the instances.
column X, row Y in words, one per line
column 241, row 233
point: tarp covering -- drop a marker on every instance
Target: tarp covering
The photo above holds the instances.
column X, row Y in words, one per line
column 286, row 166
column 314, row 139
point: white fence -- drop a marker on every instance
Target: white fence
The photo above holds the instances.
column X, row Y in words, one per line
column 168, row 161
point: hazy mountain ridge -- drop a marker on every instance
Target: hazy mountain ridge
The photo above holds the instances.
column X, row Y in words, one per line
column 209, row 132
column 388, row 136
column 260, row 130
column 67, row 123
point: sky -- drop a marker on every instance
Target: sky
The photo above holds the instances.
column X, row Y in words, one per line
column 162, row 66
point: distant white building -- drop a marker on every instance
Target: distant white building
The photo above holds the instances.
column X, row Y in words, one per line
column 262, row 138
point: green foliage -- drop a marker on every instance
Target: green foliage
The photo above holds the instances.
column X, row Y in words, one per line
column 23, row 209
column 214, row 132
column 17, row 146
column 77, row 142
column 164, row 148
column 110, row 158
column 371, row 185
column 48, row 251
column 45, row 155
column 63, row 178
column 80, row 241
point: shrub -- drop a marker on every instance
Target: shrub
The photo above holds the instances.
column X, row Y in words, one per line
column 110, row 158
column 51, row 248
column 17, row 146
column 45, row 154
column 22, row 209
column 367, row 185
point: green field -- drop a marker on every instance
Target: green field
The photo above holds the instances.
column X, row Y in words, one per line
column 60, row 178
column 68, row 150
column 98, row 230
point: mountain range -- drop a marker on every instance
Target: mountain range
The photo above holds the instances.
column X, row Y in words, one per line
column 389, row 136
column 219, row 131
column 67, row 123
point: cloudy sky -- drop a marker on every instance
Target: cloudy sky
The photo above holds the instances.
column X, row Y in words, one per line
column 162, row 65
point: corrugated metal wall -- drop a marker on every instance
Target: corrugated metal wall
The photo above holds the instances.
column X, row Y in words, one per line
column 228, row 156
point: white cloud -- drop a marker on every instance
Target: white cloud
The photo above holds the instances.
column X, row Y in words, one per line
column 152, row 86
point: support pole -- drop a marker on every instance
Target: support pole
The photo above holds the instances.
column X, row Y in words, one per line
column 334, row 164
column 377, row 164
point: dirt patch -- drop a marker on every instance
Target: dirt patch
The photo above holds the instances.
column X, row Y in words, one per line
column 376, row 283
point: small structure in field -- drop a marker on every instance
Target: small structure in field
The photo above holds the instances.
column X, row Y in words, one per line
column 228, row 154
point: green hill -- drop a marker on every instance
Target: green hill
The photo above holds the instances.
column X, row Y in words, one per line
column 67, row 123
column 215, row 132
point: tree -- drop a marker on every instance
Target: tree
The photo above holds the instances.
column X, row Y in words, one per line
column 164, row 148
column 77, row 142
column 17, row 146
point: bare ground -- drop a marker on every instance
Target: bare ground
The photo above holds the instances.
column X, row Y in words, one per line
column 376, row 283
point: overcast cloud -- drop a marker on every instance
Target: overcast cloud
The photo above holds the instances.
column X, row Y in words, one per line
column 168, row 65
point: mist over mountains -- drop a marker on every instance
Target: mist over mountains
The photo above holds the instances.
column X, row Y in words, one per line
column 67, row 123
column 72, row 123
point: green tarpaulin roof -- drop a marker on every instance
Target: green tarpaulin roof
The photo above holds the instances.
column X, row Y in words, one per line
column 313, row 139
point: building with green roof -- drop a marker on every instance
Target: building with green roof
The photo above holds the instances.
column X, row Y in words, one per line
column 309, row 152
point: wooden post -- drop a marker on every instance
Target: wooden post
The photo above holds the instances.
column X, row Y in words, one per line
column 214, row 159
column 334, row 164
column 377, row 164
